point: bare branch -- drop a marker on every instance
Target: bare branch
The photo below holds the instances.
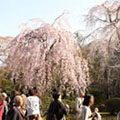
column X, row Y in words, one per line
column 60, row 16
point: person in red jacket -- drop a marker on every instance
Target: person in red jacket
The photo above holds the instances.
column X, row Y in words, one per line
column 1, row 106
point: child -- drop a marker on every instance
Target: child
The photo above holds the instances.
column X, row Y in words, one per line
column 96, row 115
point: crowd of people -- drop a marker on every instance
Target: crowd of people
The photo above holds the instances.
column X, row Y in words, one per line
column 28, row 106
column 21, row 105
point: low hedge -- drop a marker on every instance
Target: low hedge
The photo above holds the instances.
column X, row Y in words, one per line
column 113, row 105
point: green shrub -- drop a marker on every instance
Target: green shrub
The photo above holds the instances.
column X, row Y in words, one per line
column 46, row 100
column 71, row 104
column 98, row 95
column 5, row 82
column 100, row 99
column 70, row 117
column 113, row 105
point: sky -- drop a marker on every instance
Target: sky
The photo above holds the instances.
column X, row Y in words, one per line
column 15, row 12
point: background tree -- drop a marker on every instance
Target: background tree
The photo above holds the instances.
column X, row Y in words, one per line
column 4, row 41
column 106, row 21
column 5, row 82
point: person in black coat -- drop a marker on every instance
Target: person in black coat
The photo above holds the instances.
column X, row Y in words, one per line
column 56, row 109
column 16, row 113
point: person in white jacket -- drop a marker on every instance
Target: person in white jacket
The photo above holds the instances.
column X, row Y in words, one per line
column 33, row 105
column 85, row 111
